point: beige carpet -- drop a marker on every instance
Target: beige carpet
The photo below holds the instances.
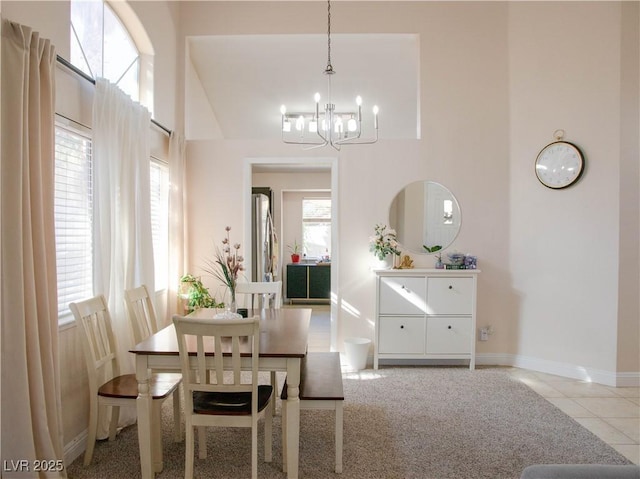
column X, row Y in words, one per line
column 426, row 423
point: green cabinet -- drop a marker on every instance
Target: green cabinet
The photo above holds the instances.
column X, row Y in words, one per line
column 308, row 282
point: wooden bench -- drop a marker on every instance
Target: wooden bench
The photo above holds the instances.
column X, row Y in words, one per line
column 320, row 388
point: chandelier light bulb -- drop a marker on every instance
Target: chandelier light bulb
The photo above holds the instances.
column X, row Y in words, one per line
column 352, row 125
column 375, row 110
column 358, row 100
column 316, row 97
column 283, row 109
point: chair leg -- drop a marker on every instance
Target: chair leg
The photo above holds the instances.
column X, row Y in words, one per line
column 177, row 430
column 113, row 425
column 284, row 436
column 339, row 435
column 254, row 449
column 156, row 435
column 202, row 442
column 274, row 383
column 189, row 451
column 91, row 433
column 268, row 434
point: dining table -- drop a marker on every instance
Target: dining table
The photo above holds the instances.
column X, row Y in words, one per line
column 283, row 346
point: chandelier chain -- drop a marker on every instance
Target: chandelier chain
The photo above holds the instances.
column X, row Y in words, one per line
column 329, row 69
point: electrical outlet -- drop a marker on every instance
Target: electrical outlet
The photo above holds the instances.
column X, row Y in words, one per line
column 484, row 334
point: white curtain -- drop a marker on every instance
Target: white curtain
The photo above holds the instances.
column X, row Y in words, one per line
column 177, row 221
column 122, row 229
column 31, row 399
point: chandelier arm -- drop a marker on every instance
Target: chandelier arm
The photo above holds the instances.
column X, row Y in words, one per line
column 313, row 147
column 290, row 142
column 354, row 140
column 324, row 138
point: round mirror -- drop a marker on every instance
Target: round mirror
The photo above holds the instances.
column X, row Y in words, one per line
column 426, row 217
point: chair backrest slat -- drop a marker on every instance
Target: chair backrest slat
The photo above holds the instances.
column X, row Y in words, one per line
column 142, row 315
column 260, row 293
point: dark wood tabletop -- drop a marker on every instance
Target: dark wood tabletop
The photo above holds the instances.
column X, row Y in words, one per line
column 283, row 334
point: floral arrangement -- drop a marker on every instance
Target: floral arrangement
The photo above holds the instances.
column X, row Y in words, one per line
column 383, row 242
column 227, row 264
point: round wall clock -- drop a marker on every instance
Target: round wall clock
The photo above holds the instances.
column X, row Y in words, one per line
column 559, row 164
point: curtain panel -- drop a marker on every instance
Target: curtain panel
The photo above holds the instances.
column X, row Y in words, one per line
column 123, row 244
column 177, row 222
column 31, row 398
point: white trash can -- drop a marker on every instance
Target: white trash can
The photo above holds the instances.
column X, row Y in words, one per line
column 357, row 350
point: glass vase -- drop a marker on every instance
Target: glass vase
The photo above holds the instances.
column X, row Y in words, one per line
column 232, row 307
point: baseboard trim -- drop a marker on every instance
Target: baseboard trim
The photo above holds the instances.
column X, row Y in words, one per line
column 75, row 448
column 608, row 378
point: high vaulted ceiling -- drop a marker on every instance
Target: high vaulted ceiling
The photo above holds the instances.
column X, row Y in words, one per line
column 246, row 78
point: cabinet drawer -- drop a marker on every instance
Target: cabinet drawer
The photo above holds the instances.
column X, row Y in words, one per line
column 402, row 295
column 448, row 335
column 450, row 295
column 402, row 335
column 320, row 282
column 296, row 281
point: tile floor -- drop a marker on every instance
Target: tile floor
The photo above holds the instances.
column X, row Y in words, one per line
column 613, row 414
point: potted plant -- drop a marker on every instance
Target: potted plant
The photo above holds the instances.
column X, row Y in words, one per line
column 295, row 252
column 383, row 242
column 195, row 294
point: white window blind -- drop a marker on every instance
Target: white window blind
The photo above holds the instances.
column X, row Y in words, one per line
column 73, row 217
column 160, row 221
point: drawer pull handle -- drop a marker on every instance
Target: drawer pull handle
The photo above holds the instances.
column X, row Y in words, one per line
column 450, row 287
column 402, row 326
column 449, row 327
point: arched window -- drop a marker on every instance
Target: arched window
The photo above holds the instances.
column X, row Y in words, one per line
column 101, row 46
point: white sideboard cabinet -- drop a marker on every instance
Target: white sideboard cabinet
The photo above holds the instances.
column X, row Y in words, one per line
column 425, row 314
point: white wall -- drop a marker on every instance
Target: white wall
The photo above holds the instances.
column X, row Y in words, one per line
column 497, row 78
column 565, row 244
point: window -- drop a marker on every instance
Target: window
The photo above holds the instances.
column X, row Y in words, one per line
column 316, row 227
column 102, row 47
column 160, row 221
column 73, row 209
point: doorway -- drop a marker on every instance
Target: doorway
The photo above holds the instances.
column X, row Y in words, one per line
column 279, row 173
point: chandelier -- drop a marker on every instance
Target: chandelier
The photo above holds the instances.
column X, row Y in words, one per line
column 331, row 127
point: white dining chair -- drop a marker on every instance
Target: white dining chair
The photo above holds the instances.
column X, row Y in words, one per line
column 213, row 398
column 143, row 322
column 98, row 341
column 259, row 294
column 263, row 295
